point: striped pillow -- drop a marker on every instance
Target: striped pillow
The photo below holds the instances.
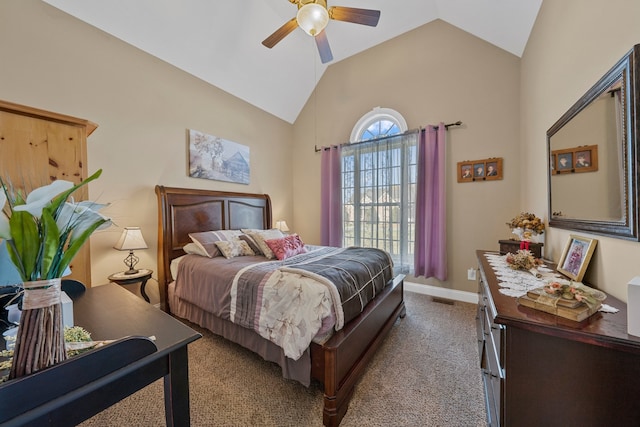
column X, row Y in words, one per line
column 259, row 236
column 206, row 240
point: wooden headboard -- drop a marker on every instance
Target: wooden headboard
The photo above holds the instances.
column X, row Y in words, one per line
column 182, row 211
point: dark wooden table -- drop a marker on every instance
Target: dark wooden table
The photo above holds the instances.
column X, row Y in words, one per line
column 80, row 387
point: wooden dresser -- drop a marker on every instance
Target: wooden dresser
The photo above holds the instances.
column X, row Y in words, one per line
column 543, row 370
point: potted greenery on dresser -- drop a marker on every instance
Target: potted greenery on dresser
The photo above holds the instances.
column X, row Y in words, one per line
column 44, row 231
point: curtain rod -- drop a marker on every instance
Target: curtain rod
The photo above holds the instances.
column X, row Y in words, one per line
column 447, row 126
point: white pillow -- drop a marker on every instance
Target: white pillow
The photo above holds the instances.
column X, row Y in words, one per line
column 192, row 248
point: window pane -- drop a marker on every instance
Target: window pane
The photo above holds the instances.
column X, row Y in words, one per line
column 383, row 176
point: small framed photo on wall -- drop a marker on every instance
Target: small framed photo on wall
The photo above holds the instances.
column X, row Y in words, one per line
column 480, row 170
column 574, row 160
column 565, row 162
column 465, row 172
column 586, row 159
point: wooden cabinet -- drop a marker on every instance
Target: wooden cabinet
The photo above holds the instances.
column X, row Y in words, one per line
column 37, row 147
column 513, row 246
column 540, row 369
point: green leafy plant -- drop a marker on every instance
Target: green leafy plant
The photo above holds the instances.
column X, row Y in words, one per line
column 46, row 229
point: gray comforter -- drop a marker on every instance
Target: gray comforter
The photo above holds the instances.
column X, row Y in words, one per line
column 288, row 302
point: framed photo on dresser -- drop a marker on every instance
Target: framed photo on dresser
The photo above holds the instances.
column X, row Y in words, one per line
column 576, row 256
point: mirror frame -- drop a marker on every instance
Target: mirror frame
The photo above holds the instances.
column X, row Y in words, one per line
column 627, row 228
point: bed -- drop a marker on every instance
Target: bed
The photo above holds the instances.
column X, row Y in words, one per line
column 337, row 363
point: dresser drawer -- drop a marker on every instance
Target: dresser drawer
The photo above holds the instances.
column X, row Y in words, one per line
column 480, row 329
column 493, row 346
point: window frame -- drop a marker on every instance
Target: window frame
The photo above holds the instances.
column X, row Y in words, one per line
column 405, row 222
column 375, row 115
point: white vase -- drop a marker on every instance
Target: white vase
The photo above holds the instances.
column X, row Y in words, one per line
column 537, row 238
column 518, row 232
column 40, row 338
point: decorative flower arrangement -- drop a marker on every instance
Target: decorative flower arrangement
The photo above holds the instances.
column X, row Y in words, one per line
column 523, row 259
column 572, row 291
column 44, row 231
column 526, row 225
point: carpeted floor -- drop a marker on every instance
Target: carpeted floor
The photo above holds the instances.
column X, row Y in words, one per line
column 426, row 374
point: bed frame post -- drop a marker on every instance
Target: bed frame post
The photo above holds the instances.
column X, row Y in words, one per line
column 163, row 257
column 340, row 362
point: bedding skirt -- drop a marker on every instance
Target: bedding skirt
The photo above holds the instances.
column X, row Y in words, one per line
column 298, row 370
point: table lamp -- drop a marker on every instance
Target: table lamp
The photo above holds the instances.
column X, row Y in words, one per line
column 282, row 226
column 130, row 240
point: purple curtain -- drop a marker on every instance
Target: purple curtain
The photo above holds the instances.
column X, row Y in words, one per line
column 331, row 202
column 431, row 207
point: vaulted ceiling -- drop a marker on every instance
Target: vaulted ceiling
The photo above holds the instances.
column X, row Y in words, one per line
column 219, row 41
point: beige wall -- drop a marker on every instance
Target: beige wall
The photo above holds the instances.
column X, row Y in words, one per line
column 572, row 45
column 434, row 73
column 143, row 108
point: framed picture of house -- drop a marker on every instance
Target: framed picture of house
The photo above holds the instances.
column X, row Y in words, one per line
column 211, row 157
column 480, row 170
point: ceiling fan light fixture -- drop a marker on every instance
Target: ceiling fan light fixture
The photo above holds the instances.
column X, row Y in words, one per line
column 312, row 18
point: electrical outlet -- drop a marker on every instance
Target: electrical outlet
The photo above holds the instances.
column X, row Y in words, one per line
column 471, row 274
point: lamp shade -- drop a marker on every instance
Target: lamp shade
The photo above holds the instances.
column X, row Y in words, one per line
column 131, row 239
column 282, row 226
column 313, row 18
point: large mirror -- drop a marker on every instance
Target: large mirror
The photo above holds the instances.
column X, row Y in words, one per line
column 593, row 168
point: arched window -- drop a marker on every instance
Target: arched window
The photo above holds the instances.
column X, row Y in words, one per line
column 378, row 123
column 378, row 186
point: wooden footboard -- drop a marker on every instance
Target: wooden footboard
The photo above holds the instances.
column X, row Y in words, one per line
column 340, row 362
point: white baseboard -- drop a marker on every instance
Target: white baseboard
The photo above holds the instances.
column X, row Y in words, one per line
column 452, row 294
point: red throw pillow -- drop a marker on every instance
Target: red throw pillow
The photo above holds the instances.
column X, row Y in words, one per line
column 287, row 246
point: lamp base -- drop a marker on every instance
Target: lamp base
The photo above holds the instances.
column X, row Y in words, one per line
column 130, row 261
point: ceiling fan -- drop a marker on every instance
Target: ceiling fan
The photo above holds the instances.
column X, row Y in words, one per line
column 313, row 16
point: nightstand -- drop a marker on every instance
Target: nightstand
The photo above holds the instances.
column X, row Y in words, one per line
column 141, row 276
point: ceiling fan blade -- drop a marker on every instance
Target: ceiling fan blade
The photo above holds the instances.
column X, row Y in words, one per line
column 280, row 33
column 357, row 16
column 323, row 47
